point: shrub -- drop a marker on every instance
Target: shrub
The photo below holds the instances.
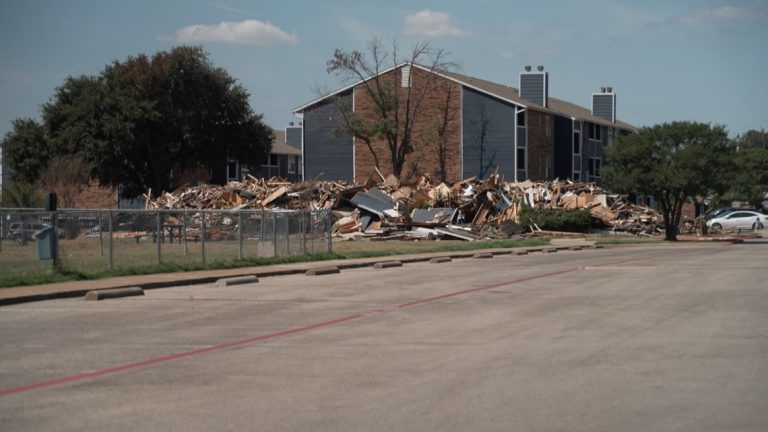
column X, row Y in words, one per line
column 577, row 220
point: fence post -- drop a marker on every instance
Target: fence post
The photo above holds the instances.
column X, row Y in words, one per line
column 274, row 234
column 202, row 234
column 109, row 222
column 328, row 231
column 1, row 232
column 303, row 238
column 101, row 229
column 288, row 219
column 158, row 236
column 261, row 227
column 240, row 234
column 184, row 230
column 55, row 224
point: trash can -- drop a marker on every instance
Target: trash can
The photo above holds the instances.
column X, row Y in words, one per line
column 46, row 243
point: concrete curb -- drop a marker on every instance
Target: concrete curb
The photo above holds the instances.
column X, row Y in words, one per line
column 322, row 271
column 387, row 264
column 113, row 293
column 438, row 260
column 483, row 255
column 241, row 280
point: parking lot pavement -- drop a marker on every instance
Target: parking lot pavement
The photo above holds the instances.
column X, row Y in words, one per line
column 642, row 338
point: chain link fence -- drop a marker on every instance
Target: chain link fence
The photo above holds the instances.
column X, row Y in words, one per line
column 91, row 241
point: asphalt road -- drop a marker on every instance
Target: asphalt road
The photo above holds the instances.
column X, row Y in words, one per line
column 650, row 338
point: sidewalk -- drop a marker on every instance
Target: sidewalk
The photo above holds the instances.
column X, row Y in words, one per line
column 31, row 293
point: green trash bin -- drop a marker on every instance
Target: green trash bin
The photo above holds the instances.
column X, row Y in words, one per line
column 46, row 243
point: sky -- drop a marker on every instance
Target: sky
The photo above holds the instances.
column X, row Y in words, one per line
column 700, row 60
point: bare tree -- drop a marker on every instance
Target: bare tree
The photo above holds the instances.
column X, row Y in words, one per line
column 66, row 176
column 396, row 108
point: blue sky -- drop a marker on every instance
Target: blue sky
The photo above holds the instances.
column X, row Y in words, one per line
column 666, row 60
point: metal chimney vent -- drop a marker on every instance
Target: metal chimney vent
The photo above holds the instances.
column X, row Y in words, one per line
column 534, row 86
column 604, row 104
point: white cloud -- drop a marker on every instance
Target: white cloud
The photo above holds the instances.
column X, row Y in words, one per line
column 250, row 32
column 431, row 23
column 723, row 13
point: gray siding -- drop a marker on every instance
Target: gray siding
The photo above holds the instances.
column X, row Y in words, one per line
column 533, row 87
column 293, row 136
column 603, row 106
column 488, row 127
column 327, row 154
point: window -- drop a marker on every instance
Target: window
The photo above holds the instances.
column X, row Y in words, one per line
column 292, row 165
column 593, row 167
column 577, row 142
column 521, row 118
column 273, row 159
column 595, row 132
column 577, row 175
column 521, row 158
column 232, row 168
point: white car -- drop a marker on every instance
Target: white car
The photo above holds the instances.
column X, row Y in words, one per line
column 739, row 219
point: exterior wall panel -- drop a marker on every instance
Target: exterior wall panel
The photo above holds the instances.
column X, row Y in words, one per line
column 326, row 154
column 488, row 127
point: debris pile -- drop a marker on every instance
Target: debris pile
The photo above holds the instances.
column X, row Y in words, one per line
column 385, row 209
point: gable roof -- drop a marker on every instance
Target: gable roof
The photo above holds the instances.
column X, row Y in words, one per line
column 499, row 91
column 279, row 146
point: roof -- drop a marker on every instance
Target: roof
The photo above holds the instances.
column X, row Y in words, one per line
column 505, row 93
column 279, row 146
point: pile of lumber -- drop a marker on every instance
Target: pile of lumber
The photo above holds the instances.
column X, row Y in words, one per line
column 384, row 208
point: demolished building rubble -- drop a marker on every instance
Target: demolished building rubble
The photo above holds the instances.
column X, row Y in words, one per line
column 384, row 208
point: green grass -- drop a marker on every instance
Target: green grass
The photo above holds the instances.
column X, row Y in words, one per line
column 81, row 260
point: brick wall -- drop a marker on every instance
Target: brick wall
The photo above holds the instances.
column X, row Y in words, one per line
column 541, row 145
column 425, row 158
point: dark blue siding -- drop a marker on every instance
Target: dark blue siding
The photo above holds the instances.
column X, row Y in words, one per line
column 563, row 147
column 326, row 153
column 488, row 136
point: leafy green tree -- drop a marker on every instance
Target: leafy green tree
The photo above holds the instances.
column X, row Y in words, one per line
column 752, row 139
column 749, row 179
column 144, row 121
column 26, row 150
column 673, row 162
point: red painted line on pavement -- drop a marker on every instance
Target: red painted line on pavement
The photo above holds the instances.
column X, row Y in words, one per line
column 177, row 356
column 483, row 288
column 297, row 330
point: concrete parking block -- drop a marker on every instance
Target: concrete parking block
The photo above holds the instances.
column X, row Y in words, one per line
column 549, row 250
column 438, row 260
column 237, row 280
column 519, row 252
column 387, row 264
column 575, row 248
column 322, row 271
column 482, row 255
column 113, row 293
